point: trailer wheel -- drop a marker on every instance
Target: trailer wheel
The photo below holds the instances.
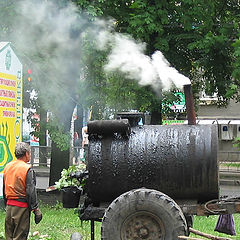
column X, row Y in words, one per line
column 143, row 214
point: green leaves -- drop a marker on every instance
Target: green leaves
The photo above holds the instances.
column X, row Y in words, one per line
column 233, row 92
column 66, row 180
column 199, row 38
column 237, row 143
column 236, row 63
column 58, row 135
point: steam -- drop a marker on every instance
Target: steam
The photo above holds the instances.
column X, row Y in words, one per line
column 127, row 56
column 56, row 34
column 48, row 39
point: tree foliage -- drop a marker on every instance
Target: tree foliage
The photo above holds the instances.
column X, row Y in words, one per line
column 40, row 44
column 198, row 37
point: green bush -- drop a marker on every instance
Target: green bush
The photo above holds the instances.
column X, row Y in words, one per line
column 236, row 143
column 66, row 180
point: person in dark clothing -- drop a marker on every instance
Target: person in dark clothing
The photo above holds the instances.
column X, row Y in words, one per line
column 20, row 195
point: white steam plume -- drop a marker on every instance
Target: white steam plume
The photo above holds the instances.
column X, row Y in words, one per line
column 49, row 30
column 128, row 57
column 44, row 35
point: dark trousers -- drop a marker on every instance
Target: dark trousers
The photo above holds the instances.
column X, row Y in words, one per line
column 17, row 223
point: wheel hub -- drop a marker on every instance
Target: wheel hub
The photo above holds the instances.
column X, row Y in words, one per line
column 143, row 232
column 142, row 225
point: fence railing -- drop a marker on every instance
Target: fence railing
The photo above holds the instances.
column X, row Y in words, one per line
column 229, row 156
column 41, row 156
column 229, row 161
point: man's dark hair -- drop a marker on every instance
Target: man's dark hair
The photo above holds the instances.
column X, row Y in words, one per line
column 21, row 149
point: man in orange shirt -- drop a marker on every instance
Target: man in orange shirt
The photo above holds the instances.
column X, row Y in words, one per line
column 20, row 195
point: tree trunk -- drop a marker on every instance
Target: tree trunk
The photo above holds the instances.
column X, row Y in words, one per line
column 60, row 159
column 156, row 118
column 156, row 115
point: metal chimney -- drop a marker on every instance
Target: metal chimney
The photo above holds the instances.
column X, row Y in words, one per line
column 191, row 115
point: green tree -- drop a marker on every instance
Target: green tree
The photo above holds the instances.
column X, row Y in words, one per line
column 199, row 38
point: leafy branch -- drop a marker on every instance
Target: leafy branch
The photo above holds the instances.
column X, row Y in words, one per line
column 66, row 180
column 58, row 135
column 236, row 143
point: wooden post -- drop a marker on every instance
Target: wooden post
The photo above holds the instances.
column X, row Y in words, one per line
column 209, row 236
column 189, row 238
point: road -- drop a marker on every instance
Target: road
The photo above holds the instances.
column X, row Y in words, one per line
column 42, row 182
column 230, row 190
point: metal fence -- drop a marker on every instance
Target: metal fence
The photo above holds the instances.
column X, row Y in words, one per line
column 41, row 156
column 229, row 161
column 229, row 156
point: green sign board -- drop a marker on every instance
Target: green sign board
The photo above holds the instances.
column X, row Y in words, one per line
column 172, row 122
column 179, row 106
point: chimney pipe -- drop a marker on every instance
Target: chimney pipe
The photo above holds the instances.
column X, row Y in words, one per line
column 191, row 115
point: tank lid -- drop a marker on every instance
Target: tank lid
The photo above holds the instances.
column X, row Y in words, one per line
column 133, row 117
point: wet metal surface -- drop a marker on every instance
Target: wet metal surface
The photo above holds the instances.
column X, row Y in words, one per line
column 180, row 161
column 109, row 127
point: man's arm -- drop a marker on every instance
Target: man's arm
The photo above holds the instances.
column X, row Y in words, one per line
column 31, row 190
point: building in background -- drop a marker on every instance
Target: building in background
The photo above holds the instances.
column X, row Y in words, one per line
column 228, row 121
column 226, row 118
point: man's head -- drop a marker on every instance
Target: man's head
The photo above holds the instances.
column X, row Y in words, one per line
column 22, row 149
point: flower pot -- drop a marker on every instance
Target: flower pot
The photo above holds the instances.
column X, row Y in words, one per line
column 70, row 197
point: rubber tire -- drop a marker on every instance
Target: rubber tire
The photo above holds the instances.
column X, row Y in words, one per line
column 166, row 212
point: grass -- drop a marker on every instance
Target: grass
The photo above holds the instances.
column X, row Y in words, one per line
column 207, row 225
column 59, row 223
column 235, row 165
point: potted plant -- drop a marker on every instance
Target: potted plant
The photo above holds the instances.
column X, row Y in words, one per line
column 71, row 185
